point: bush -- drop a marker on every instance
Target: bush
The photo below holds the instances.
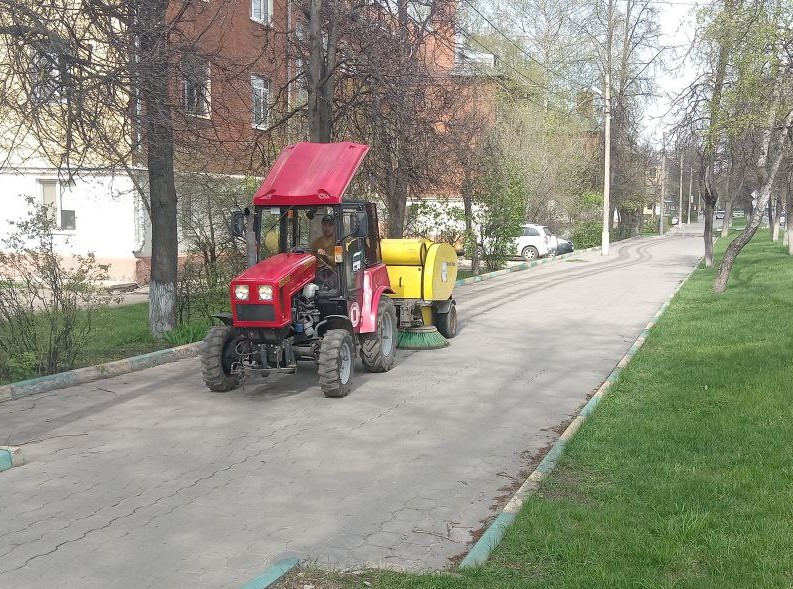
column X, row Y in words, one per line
column 213, row 257
column 587, row 234
column 46, row 304
column 502, row 197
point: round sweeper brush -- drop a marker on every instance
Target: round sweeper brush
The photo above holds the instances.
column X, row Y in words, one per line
column 426, row 337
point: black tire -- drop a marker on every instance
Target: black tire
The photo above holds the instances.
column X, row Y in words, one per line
column 378, row 349
column 447, row 322
column 529, row 253
column 217, row 355
column 336, row 359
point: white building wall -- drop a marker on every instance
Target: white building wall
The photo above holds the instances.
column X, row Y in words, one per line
column 107, row 213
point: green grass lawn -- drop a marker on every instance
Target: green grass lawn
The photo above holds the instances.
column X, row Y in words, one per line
column 683, row 476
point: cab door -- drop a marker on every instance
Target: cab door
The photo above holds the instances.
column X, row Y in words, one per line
column 354, row 265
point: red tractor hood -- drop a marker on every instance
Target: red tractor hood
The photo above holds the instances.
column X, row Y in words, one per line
column 278, row 270
column 286, row 274
column 311, row 174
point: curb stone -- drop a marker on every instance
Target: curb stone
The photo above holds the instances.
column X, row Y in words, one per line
column 88, row 374
column 272, row 574
column 10, row 456
column 481, row 551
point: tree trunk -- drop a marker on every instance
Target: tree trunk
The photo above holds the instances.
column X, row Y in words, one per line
column 155, row 77
column 708, row 233
column 470, row 235
column 320, row 83
column 788, row 224
column 725, row 226
column 777, row 213
column 397, row 201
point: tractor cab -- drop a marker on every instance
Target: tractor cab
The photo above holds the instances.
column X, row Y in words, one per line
column 344, row 240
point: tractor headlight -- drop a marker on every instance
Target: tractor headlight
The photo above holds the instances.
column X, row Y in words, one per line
column 241, row 292
column 265, row 292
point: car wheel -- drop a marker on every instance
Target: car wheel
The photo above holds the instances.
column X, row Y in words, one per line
column 529, row 253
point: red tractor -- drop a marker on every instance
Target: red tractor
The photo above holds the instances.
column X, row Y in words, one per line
column 324, row 294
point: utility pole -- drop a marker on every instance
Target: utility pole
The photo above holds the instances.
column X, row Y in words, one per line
column 663, row 186
column 680, row 205
column 690, row 191
column 604, row 243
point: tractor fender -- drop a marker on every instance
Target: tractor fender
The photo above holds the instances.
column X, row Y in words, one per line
column 334, row 322
column 224, row 318
column 444, row 306
column 369, row 311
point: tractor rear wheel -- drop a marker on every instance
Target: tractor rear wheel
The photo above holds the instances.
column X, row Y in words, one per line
column 336, row 358
column 378, row 349
column 447, row 322
column 217, row 356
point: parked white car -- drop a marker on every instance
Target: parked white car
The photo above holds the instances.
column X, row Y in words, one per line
column 537, row 241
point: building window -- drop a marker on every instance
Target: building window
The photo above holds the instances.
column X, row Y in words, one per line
column 262, row 11
column 51, row 201
column 68, row 220
column 196, row 86
column 261, row 101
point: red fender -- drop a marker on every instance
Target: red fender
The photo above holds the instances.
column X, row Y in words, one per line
column 375, row 284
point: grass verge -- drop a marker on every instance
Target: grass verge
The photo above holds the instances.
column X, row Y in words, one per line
column 682, row 476
column 120, row 332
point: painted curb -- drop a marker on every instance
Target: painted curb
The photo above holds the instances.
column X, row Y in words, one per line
column 10, row 456
column 272, row 574
column 88, row 374
column 484, row 547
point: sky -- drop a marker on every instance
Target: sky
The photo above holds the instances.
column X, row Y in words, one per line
column 677, row 30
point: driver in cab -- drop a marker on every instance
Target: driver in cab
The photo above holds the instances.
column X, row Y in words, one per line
column 325, row 244
column 324, row 247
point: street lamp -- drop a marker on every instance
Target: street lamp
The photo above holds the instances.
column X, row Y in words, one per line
column 604, row 243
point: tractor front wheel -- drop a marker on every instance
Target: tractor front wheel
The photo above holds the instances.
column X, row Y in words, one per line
column 447, row 322
column 336, row 357
column 378, row 349
column 218, row 354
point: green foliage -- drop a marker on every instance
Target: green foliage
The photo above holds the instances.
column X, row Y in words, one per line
column 47, row 301
column 501, row 194
column 588, row 205
column 213, row 257
column 587, row 234
column 186, row 333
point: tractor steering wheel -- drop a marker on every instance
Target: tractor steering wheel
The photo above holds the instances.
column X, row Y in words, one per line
column 300, row 249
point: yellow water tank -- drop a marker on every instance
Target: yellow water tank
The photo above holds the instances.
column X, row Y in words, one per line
column 420, row 269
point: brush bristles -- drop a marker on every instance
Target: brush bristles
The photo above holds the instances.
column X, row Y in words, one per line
column 421, row 339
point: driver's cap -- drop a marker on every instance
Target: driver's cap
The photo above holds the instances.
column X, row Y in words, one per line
column 328, row 219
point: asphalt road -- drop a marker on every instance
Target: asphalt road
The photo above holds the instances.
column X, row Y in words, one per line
column 149, row 480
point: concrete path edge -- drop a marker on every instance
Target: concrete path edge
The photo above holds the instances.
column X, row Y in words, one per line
column 481, row 551
column 88, row 374
column 10, row 456
column 272, row 574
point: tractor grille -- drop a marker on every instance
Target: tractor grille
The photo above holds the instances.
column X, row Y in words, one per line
column 255, row 312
